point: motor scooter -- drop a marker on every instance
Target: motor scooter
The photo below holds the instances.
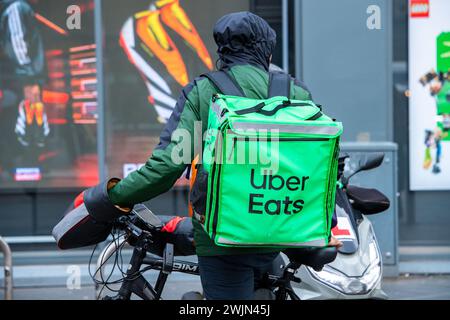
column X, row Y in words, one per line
column 356, row 272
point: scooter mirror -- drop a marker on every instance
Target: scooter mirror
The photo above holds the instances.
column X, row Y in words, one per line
column 367, row 163
column 371, row 161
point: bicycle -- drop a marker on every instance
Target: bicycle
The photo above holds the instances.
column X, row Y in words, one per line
column 142, row 230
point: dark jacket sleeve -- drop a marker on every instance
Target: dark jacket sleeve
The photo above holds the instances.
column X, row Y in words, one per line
column 163, row 167
column 23, row 44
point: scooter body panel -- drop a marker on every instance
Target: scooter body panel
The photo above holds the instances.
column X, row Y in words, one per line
column 354, row 266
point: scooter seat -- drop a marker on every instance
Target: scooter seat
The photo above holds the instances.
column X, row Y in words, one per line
column 315, row 258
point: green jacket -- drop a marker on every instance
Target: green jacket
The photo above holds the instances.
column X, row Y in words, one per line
column 159, row 173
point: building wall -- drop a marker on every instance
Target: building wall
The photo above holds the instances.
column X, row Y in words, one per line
column 348, row 69
column 353, row 72
column 347, row 66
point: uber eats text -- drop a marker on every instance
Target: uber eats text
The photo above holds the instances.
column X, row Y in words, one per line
column 260, row 204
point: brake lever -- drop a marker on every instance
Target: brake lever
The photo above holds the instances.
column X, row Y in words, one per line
column 135, row 231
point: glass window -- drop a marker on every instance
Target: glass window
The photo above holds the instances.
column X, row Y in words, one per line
column 48, row 95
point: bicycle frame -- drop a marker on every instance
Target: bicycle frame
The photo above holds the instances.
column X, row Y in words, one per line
column 278, row 286
column 138, row 284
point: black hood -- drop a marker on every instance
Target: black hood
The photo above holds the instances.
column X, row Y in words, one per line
column 244, row 37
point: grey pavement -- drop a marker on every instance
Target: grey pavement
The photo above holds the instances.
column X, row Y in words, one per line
column 43, row 280
column 414, row 287
column 418, row 287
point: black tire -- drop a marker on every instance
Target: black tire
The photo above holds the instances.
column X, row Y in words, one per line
column 192, row 295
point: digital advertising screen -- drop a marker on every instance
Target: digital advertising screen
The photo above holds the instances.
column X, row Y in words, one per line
column 48, row 94
column 152, row 50
column 429, row 82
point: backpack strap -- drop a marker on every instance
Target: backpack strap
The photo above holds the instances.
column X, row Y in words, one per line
column 225, row 83
column 279, row 85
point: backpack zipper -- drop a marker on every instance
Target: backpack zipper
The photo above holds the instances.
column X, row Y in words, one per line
column 216, row 207
column 330, row 184
column 210, row 197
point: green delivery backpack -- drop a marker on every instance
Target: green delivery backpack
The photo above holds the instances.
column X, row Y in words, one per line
column 269, row 168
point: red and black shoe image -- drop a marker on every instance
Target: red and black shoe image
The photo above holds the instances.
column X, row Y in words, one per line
column 145, row 39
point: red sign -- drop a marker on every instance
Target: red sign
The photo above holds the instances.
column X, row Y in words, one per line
column 343, row 229
column 419, row 8
column 340, row 232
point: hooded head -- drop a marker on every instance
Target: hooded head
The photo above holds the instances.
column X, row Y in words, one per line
column 244, row 37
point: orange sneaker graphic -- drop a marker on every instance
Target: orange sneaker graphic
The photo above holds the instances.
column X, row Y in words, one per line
column 150, row 30
column 145, row 40
column 176, row 18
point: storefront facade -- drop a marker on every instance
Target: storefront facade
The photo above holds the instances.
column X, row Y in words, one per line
column 110, row 86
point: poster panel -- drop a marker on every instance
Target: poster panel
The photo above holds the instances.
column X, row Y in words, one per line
column 429, row 82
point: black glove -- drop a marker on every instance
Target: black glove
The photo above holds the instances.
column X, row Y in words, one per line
column 100, row 206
